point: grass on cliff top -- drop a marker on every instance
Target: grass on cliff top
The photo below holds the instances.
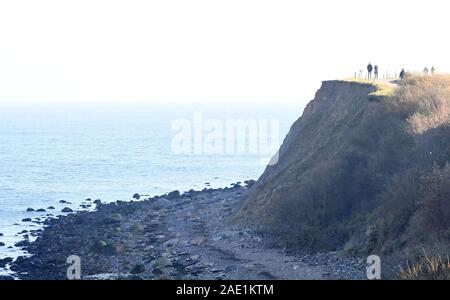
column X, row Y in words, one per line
column 382, row 88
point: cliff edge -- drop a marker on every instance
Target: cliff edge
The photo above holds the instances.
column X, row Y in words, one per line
column 362, row 171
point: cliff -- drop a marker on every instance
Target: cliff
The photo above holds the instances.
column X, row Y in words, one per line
column 354, row 170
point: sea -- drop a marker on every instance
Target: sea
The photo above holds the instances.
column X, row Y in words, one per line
column 110, row 151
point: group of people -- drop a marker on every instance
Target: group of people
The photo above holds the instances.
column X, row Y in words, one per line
column 374, row 69
column 425, row 70
column 371, row 68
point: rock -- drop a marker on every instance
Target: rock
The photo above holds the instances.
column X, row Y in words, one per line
column 137, row 227
column 161, row 203
column 157, row 271
column 5, row 261
column 29, row 209
column 26, row 220
column 173, row 195
column 162, row 262
column 67, row 210
column 63, row 201
column 1, row 234
column 98, row 202
column 99, row 246
column 199, row 241
column 2, row 244
column 115, row 248
column 137, row 269
column 40, row 210
column 250, row 182
column 88, row 199
column 137, row 196
column 51, row 207
column 113, row 219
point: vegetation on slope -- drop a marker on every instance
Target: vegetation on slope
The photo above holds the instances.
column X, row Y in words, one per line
column 379, row 184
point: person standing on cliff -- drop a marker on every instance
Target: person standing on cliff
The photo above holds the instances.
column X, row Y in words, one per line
column 369, row 71
column 375, row 72
column 402, row 74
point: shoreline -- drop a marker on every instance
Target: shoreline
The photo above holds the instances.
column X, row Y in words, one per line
column 173, row 236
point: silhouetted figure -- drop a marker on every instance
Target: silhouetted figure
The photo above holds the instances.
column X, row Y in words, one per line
column 425, row 71
column 402, row 74
column 433, row 70
column 369, row 71
column 375, row 71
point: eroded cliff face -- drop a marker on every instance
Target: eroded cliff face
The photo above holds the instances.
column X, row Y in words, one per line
column 354, row 172
column 314, row 141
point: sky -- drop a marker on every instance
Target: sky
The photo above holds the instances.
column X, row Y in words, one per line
column 214, row 51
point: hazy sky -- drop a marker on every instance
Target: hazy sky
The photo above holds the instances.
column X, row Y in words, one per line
column 208, row 50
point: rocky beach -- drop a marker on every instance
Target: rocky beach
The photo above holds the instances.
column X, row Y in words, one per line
column 173, row 236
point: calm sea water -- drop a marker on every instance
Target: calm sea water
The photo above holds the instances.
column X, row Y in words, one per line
column 108, row 152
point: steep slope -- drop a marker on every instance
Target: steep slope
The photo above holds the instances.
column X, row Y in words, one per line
column 352, row 169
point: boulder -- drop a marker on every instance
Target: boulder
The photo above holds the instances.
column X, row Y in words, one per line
column 29, row 209
column 67, row 210
column 137, row 196
column 113, row 219
column 40, row 210
column 51, row 207
column 161, row 203
column 137, row 269
column 173, row 195
column 5, row 261
column 26, row 220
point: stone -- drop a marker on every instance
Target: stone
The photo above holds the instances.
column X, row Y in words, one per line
column 67, row 210
column 26, row 220
column 114, row 218
column 173, row 195
column 137, row 269
column 29, row 209
column 51, row 207
column 250, row 182
column 161, row 203
column 62, row 201
column 5, row 261
column 157, row 271
column 100, row 246
column 2, row 244
column 137, row 196
column 40, row 210
column 98, row 202
column 199, row 241
column 115, row 248
column 137, row 227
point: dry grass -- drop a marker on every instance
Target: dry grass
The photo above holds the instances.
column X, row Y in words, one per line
column 425, row 100
column 382, row 88
column 429, row 268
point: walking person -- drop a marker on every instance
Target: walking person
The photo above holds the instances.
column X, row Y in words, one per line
column 433, row 70
column 402, row 74
column 375, row 72
column 369, row 71
column 425, row 71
